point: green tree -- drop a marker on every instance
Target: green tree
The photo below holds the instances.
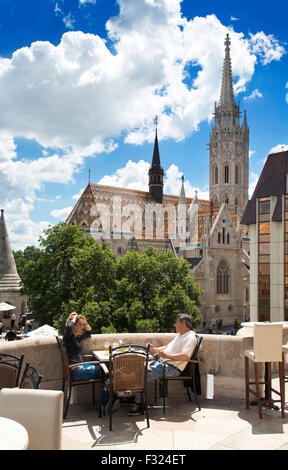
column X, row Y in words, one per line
column 30, row 253
column 48, row 279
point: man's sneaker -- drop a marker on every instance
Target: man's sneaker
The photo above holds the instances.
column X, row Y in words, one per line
column 137, row 410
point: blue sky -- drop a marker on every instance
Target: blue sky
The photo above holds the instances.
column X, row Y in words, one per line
column 81, row 82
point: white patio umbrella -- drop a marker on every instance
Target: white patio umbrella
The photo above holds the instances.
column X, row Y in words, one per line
column 4, row 307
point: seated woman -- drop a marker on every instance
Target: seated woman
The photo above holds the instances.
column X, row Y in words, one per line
column 73, row 335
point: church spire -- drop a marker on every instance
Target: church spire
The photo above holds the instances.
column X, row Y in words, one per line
column 8, row 272
column 182, row 197
column 156, row 172
column 227, row 94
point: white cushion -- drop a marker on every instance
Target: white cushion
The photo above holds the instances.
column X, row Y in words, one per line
column 39, row 411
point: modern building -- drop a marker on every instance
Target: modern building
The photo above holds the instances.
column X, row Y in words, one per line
column 266, row 215
column 207, row 233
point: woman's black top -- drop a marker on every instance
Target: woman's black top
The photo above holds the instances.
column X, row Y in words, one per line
column 73, row 343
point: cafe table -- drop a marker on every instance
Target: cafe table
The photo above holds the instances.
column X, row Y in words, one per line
column 13, row 435
column 103, row 356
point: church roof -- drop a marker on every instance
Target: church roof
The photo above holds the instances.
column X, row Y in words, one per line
column 272, row 182
column 140, row 245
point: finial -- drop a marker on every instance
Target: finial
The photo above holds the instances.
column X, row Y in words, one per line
column 182, row 178
column 227, row 41
column 89, row 173
column 156, row 122
column 2, row 212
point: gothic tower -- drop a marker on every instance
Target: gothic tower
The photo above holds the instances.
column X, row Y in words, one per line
column 229, row 145
column 156, row 174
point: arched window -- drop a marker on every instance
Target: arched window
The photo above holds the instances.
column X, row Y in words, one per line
column 222, row 278
column 226, row 199
column 228, row 238
column 219, row 237
column 226, row 174
column 216, row 175
column 236, row 174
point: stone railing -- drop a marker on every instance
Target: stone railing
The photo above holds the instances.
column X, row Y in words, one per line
column 220, row 355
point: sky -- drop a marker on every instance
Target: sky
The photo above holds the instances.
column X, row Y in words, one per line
column 81, row 82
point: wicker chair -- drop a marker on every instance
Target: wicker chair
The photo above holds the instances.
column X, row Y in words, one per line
column 188, row 376
column 10, row 369
column 31, row 377
column 68, row 381
column 128, row 372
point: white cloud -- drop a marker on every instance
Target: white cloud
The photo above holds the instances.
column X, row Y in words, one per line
column 251, row 153
column 266, row 47
column 255, row 94
column 278, row 148
column 232, row 18
column 83, row 2
column 135, row 176
column 77, row 196
column 61, row 214
column 69, row 21
column 253, row 180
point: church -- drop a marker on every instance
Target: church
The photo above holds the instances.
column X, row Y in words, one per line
column 207, row 233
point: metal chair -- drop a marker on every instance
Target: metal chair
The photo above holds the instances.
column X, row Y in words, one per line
column 31, row 377
column 128, row 372
column 190, row 377
column 268, row 338
column 69, row 383
column 10, row 369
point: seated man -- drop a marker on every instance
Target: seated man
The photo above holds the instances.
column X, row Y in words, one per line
column 175, row 355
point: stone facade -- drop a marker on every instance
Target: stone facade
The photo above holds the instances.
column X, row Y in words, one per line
column 9, row 278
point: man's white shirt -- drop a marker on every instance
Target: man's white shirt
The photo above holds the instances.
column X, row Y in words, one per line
column 181, row 344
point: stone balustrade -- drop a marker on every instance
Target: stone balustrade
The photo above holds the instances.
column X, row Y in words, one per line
column 220, row 355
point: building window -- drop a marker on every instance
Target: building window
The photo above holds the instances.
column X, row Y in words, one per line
column 264, row 259
column 236, row 175
column 226, row 199
column 228, row 238
column 226, row 174
column 222, row 278
column 219, row 237
column 216, row 175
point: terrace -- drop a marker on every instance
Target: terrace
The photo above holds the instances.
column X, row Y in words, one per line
column 222, row 424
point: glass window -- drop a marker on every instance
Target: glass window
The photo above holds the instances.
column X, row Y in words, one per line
column 264, row 206
column 264, row 248
column 264, row 227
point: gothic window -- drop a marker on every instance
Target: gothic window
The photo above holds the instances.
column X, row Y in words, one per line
column 219, row 237
column 228, row 238
column 222, row 278
column 226, row 199
column 226, row 174
column 223, row 235
column 216, row 175
column 236, row 175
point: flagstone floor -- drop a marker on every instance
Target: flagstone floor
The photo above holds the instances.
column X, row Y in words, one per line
column 218, row 426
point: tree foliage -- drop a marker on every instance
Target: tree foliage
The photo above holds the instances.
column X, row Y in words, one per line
column 140, row 292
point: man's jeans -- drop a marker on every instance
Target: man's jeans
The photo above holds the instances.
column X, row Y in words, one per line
column 155, row 372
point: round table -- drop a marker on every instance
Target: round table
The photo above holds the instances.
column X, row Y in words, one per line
column 13, row 436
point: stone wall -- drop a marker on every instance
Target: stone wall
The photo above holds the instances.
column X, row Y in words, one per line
column 220, row 355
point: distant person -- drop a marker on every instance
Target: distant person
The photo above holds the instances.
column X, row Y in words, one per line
column 232, row 331
column 13, row 318
column 10, row 335
column 20, row 321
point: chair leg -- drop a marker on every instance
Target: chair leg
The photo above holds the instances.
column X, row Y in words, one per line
column 110, row 410
column 282, row 387
column 164, row 395
column 155, row 390
column 195, row 393
column 247, row 381
column 269, row 385
column 257, row 390
column 67, row 402
column 188, row 393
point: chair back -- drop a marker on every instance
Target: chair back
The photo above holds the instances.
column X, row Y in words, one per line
column 10, row 368
column 65, row 362
column 128, row 368
column 39, row 411
column 194, row 356
column 268, row 340
column 31, row 377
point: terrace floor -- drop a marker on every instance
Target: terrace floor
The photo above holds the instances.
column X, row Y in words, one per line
column 218, row 426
